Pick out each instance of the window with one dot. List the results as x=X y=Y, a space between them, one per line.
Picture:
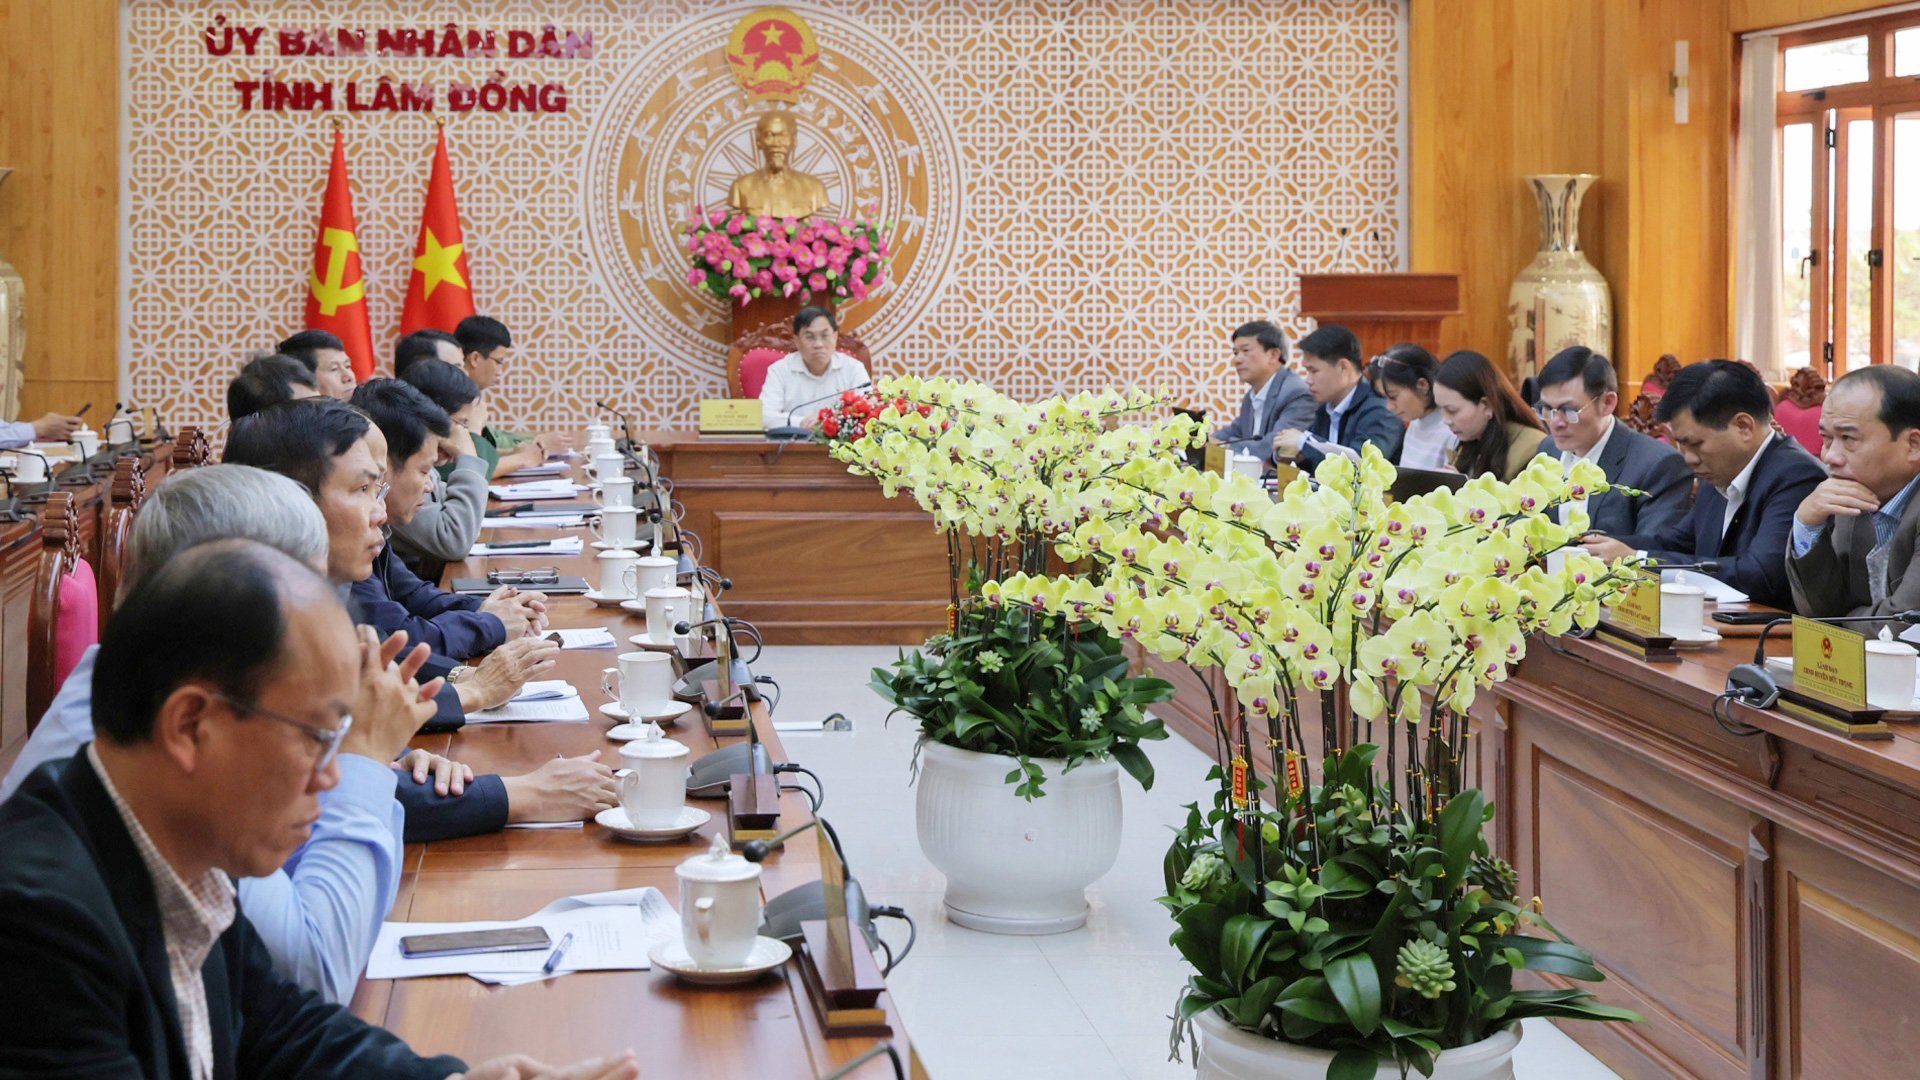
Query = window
x=1849 y=116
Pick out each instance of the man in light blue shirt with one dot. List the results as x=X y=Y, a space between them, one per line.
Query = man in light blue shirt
x=1852 y=551
x=318 y=915
x=53 y=427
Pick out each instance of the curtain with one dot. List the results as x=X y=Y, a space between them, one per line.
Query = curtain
x=1757 y=301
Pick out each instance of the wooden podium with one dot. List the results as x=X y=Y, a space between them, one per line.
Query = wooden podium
x=1382 y=309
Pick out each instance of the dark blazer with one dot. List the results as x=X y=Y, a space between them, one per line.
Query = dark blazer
x=1288 y=405
x=1753 y=554
x=84 y=986
x=1636 y=461
x=393 y=598
x=1831 y=579
x=1367 y=420
x=431 y=816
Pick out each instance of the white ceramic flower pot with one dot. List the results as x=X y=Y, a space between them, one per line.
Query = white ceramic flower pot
x=1228 y=1053
x=1014 y=866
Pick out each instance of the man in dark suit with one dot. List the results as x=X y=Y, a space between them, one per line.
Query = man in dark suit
x=1853 y=537
x=1578 y=395
x=1752 y=480
x=123 y=952
x=1276 y=398
x=1349 y=413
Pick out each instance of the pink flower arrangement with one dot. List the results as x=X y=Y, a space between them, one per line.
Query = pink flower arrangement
x=740 y=258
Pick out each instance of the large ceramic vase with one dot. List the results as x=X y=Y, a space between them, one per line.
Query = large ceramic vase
x=13 y=330
x=1015 y=866
x=1559 y=299
x=1228 y=1053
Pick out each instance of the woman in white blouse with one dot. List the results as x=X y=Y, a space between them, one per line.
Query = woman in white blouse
x=1404 y=376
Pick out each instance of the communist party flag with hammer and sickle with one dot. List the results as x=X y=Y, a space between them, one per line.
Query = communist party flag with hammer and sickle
x=337 y=289
x=439 y=293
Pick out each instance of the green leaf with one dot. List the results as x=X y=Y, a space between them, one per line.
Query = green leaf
x=1242 y=941
x=1198 y=938
x=1353 y=1065
x=1558 y=957
x=1257 y=999
x=1459 y=827
x=1356 y=986
x=1343 y=880
x=1309 y=997
x=1134 y=760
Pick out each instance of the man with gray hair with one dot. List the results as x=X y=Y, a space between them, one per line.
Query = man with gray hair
x=1276 y=398
x=318 y=919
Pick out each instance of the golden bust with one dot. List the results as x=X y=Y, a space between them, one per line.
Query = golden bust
x=776 y=190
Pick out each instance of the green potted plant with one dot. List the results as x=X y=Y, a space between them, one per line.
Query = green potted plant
x=1351 y=923
x=1026 y=718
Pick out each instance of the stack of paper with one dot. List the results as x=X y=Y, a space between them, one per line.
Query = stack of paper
x=535 y=521
x=558 y=545
x=1717 y=591
x=545 y=701
x=612 y=931
x=591 y=637
x=537 y=489
x=546 y=468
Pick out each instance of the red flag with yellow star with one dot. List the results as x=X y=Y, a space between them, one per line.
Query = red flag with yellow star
x=438 y=293
x=337 y=288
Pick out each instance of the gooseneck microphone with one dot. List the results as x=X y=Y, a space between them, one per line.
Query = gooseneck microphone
x=787 y=430
x=1760 y=648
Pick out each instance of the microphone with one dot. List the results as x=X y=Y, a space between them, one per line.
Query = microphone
x=1704 y=566
x=788 y=431
x=1760 y=648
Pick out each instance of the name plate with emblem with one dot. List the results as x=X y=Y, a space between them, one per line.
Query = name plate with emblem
x=733 y=417
x=1830 y=661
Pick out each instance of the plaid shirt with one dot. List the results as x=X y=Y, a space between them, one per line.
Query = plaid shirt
x=192 y=917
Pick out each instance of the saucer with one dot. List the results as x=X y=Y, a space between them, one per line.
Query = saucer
x=645 y=641
x=625 y=730
x=768 y=954
x=603 y=599
x=631 y=545
x=1701 y=640
x=690 y=819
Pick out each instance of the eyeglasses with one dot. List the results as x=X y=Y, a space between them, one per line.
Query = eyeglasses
x=326 y=740
x=538 y=575
x=380 y=491
x=1568 y=413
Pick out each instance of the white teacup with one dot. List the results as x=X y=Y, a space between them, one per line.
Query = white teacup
x=88 y=440
x=654 y=572
x=608 y=465
x=642 y=683
x=1682 y=610
x=655 y=787
x=120 y=430
x=29 y=467
x=719 y=906
x=667 y=608
x=616 y=573
x=598 y=431
x=616 y=526
x=1557 y=561
x=615 y=492
x=1890 y=674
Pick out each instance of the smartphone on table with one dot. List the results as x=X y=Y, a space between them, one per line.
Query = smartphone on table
x=468 y=942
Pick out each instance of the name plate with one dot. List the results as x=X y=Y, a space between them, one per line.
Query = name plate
x=1638 y=608
x=1830 y=661
x=730 y=416
x=1216 y=460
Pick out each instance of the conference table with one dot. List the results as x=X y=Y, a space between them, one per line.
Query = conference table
x=1755 y=896
x=767 y=1028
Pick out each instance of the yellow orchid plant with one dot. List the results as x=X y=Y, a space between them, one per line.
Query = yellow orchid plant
x=1004 y=480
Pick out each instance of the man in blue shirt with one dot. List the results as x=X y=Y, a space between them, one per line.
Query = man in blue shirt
x=53 y=427
x=1853 y=536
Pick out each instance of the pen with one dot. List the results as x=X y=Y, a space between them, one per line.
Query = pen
x=83 y=410
x=518 y=545
x=559 y=951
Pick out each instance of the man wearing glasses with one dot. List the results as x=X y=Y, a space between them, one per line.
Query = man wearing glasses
x=123 y=941
x=1578 y=395
x=486 y=349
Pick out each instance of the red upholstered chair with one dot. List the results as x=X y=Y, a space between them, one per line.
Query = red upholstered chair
x=751 y=356
x=56 y=618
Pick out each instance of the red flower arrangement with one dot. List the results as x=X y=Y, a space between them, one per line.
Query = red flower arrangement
x=846 y=420
x=736 y=257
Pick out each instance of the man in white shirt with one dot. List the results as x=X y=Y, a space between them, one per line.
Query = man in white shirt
x=802 y=383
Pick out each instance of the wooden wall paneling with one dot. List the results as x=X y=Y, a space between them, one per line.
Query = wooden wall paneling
x=1746 y=15
x=59 y=213
x=1847 y=961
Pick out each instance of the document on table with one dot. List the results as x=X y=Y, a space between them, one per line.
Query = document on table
x=590 y=637
x=558 y=545
x=537 y=489
x=1717 y=591
x=541 y=701
x=535 y=521
x=548 y=468
x=612 y=931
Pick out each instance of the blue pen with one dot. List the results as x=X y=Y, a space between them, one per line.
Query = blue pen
x=559 y=951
